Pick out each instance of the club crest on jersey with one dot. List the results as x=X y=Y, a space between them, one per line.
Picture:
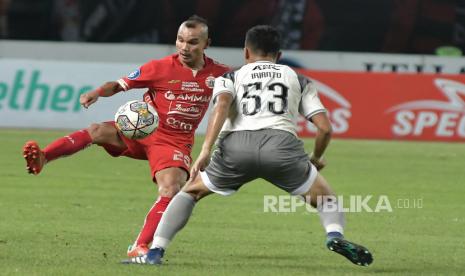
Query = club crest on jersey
x=170 y=96
x=210 y=81
x=134 y=75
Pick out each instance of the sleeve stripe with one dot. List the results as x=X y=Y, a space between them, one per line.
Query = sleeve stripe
x=221 y=92
x=303 y=81
x=308 y=116
x=123 y=84
x=230 y=75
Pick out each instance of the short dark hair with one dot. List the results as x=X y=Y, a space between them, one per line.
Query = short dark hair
x=264 y=40
x=195 y=20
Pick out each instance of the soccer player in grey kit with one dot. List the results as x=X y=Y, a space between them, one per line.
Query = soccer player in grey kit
x=256 y=109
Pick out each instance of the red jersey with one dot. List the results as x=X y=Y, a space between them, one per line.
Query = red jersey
x=180 y=96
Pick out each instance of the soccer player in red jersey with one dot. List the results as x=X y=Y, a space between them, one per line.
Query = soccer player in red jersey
x=180 y=89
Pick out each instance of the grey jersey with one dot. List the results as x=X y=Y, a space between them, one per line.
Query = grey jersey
x=267 y=96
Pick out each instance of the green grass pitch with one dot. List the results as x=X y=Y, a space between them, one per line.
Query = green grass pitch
x=81 y=213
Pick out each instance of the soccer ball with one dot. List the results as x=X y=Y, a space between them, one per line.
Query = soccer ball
x=136 y=119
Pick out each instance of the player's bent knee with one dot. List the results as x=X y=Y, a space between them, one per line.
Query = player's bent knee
x=319 y=188
x=93 y=131
x=196 y=189
x=169 y=190
x=96 y=132
x=170 y=181
x=103 y=133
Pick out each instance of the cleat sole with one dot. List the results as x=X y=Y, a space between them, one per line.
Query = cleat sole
x=355 y=253
x=34 y=157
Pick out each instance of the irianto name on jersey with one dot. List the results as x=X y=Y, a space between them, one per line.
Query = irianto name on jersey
x=260 y=75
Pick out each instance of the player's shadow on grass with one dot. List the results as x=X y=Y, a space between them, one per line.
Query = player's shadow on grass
x=251 y=261
x=243 y=266
x=294 y=262
x=396 y=270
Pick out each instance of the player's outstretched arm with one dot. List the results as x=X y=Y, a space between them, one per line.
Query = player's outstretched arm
x=322 y=139
x=215 y=123
x=106 y=90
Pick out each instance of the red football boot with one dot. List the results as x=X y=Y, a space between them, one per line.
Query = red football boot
x=138 y=250
x=35 y=157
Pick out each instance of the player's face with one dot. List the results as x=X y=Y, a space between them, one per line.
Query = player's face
x=190 y=44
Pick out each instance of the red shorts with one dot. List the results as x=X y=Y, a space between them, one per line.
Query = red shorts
x=162 y=152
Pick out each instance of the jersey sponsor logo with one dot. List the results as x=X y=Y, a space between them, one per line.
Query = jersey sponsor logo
x=170 y=96
x=339 y=112
x=210 y=81
x=266 y=66
x=134 y=75
x=185 y=109
x=194 y=98
x=443 y=118
x=179 y=124
x=191 y=86
x=174 y=81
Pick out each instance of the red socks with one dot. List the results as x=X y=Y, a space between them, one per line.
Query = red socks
x=152 y=220
x=68 y=145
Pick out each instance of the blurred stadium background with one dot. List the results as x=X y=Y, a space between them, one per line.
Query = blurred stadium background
x=391 y=26
x=391 y=73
